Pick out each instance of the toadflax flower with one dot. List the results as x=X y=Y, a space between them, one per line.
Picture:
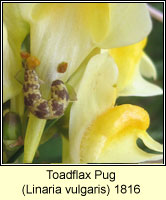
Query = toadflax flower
x=74 y=34
x=101 y=132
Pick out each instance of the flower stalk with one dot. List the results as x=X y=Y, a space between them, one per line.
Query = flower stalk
x=155 y=13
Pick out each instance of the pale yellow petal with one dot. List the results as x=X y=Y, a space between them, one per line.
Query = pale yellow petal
x=125 y=150
x=140 y=87
x=147 y=67
x=96 y=94
x=10 y=67
x=75 y=79
x=129 y=24
x=96 y=20
x=150 y=143
x=17 y=27
x=15 y=30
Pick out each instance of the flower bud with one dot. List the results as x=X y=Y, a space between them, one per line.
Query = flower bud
x=11 y=126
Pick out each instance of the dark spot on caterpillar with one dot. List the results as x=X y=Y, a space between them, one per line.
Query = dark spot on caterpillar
x=31 y=74
x=62 y=94
x=30 y=100
x=43 y=105
x=25 y=88
x=34 y=96
x=62 y=67
x=56 y=106
x=27 y=102
x=28 y=86
x=26 y=77
x=42 y=114
x=56 y=82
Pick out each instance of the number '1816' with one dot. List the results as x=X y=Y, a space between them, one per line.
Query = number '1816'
x=123 y=189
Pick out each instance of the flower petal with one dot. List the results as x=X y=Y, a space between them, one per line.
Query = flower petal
x=95 y=95
x=16 y=26
x=147 y=68
x=11 y=65
x=126 y=151
x=75 y=79
x=140 y=87
x=96 y=20
x=111 y=138
x=129 y=23
x=14 y=31
x=127 y=59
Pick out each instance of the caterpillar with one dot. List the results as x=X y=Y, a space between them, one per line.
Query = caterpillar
x=38 y=106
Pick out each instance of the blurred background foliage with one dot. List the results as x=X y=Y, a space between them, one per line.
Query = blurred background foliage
x=51 y=151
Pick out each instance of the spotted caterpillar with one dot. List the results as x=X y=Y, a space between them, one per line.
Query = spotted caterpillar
x=42 y=108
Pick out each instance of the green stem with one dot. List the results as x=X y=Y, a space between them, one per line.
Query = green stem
x=32 y=138
x=65 y=150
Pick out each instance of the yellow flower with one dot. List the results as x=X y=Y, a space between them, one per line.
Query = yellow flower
x=100 y=132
